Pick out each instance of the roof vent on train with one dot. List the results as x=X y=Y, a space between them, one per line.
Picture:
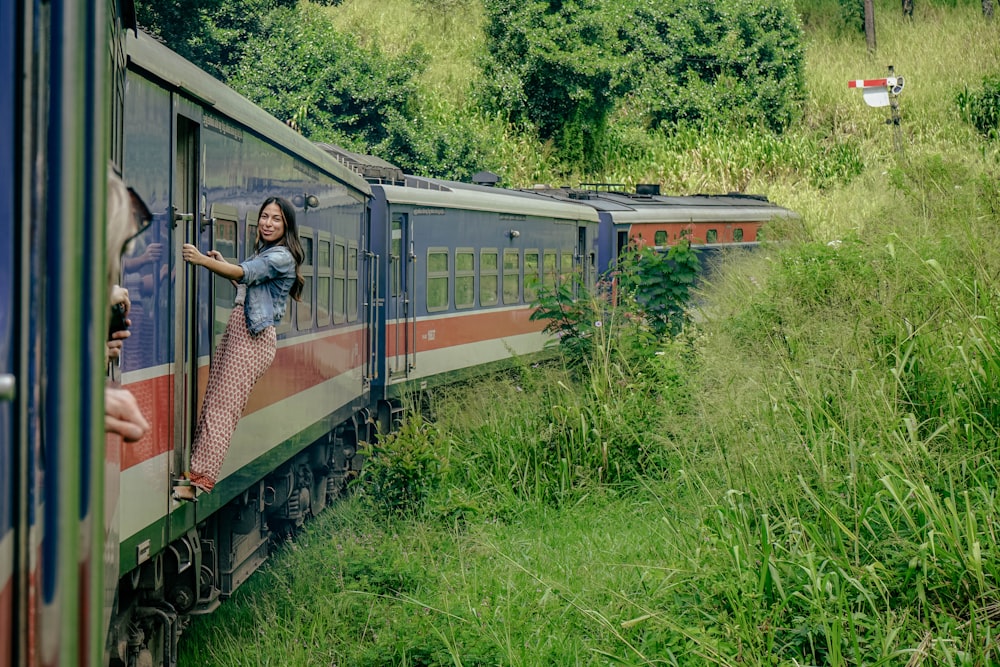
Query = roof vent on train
x=647 y=189
x=606 y=187
x=369 y=167
x=487 y=178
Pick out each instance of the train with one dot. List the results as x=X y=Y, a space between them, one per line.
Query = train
x=410 y=282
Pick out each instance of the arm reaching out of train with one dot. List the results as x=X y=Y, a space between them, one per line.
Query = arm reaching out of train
x=122 y=414
x=213 y=261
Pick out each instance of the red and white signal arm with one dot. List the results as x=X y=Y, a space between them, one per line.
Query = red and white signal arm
x=876 y=91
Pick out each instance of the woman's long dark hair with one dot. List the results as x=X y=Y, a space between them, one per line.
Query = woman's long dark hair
x=290 y=240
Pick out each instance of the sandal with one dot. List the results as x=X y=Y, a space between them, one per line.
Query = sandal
x=185 y=491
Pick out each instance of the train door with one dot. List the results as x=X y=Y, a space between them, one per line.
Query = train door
x=583 y=257
x=187 y=320
x=370 y=297
x=401 y=345
x=621 y=243
x=10 y=441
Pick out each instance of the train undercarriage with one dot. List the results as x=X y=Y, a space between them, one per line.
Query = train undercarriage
x=155 y=601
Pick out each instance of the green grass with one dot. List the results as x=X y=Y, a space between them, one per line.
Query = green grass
x=808 y=475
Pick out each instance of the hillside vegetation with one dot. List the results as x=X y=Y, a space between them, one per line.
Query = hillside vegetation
x=806 y=474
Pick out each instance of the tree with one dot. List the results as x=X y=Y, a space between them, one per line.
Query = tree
x=553 y=66
x=870 y=25
x=302 y=71
x=908 y=9
x=734 y=62
x=210 y=33
x=988 y=9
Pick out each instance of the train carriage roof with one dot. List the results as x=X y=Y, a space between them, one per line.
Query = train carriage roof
x=629 y=208
x=450 y=194
x=145 y=53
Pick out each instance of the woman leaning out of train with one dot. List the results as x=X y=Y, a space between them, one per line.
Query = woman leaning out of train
x=127 y=217
x=263 y=284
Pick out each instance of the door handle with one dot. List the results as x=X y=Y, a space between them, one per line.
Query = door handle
x=183 y=217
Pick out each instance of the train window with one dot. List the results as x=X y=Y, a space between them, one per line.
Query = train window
x=738 y=234
x=352 y=281
x=396 y=255
x=511 y=276
x=488 y=277
x=660 y=237
x=225 y=292
x=711 y=236
x=437 y=279
x=339 y=280
x=530 y=275
x=465 y=278
x=323 y=280
x=549 y=269
x=566 y=268
x=251 y=238
x=304 y=307
x=285 y=325
x=305 y=236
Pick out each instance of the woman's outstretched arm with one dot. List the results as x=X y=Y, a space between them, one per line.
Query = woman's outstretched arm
x=213 y=261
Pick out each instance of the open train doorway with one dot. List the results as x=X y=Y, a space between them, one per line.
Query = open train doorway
x=186 y=225
x=401 y=352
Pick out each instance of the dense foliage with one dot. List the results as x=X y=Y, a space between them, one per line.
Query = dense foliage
x=209 y=33
x=553 y=65
x=733 y=62
x=561 y=72
x=980 y=106
x=564 y=67
x=302 y=70
x=290 y=59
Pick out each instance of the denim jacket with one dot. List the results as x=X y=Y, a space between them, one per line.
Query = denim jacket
x=269 y=276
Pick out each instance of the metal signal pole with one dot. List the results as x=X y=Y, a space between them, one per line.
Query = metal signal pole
x=885 y=93
x=894 y=117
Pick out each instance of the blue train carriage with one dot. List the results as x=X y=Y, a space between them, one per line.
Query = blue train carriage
x=54 y=152
x=711 y=222
x=459 y=268
x=204 y=159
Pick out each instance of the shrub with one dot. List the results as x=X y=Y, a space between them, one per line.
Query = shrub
x=302 y=71
x=403 y=468
x=660 y=283
x=732 y=62
x=981 y=108
x=552 y=66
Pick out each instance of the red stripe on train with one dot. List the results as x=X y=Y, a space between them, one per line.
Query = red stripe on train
x=475 y=327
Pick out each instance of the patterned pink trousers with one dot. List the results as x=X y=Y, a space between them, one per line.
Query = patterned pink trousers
x=240 y=360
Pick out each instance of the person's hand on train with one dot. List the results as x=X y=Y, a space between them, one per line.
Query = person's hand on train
x=122 y=414
x=117 y=338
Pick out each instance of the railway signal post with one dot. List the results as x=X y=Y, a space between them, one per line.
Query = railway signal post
x=881 y=93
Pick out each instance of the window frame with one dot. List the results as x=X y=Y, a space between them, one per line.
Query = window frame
x=465 y=274
x=324 y=272
x=437 y=275
x=351 y=297
x=494 y=273
x=529 y=292
x=307 y=237
x=508 y=272
x=339 y=311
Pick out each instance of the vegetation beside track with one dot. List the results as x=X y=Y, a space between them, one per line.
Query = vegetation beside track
x=808 y=475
